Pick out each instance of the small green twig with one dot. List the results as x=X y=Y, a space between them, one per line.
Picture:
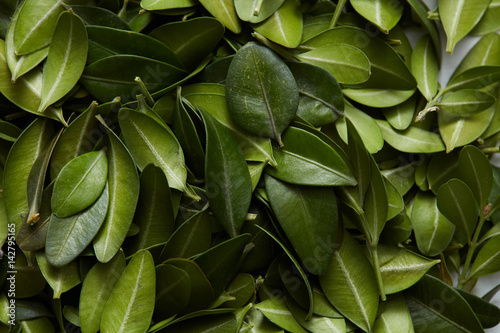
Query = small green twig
x=338 y=12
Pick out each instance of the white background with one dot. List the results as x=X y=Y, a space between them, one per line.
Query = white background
x=448 y=64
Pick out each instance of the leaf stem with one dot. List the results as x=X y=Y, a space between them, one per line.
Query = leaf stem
x=376 y=268
x=145 y=91
x=338 y=12
x=464 y=276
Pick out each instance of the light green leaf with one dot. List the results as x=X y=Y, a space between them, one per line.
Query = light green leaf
x=284 y=26
x=378 y=98
x=60 y=279
x=228 y=182
x=20 y=65
x=79 y=183
x=350 y=284
x=256 y=11
x=402 y=177
x=475 y=170
x=476 y=77
x=301 y=212
x=123 y=186
x=151 y=143
x=167 y=4
x=22 y=156
x=401 y=116
x=488 y=259
x=488 y=22
x=401 y=268
x=486 y=52
x=131 y=303
x=421 y=10
x=261 y=94
x=35 y=25
x=313 y=163
x=224 y=11
x=68 y=237
x=411 y=140
x=383 y=13
x=42 y=324
x=96 y=289
x=347 y=63
x=459 y=18
x=456 y=201
x=395 y=200
x=276 y=311
x=425 y=67
x=466 y=102
x=433 y=231
x=395 y=318
x=66 y=59
x=316 y=324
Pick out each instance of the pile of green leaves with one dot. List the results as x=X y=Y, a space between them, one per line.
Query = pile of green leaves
x=248 y=166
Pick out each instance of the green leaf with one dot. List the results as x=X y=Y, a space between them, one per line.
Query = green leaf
x=456 y=201
x=256 y=11
x=20 y=65
x=26 y=91
x=242 y=288
x=347 y=63
x=301 y=212
x=436 y=307
x=488 y=22
x=308 y=160
x=276 y=310
x=77 y=139
x=202 y=293
x=29 y=279
x=320 y=96
x=466 y=102
x=401 y=116
x=228 y=182
x=22 y=156
x=433 y=231
x=474 y=78
x=173 y=290
x=115 y=76
x=350 y=284
x=261 y=93
x=191 y=40
x=442 y=167
x=487 y=260
x=221 y=262
x=395 y=317
x=154 y=214
x=378 y=98
x=425 y=67
x=151 y=143
x=284 y=26
x=224 y=11
x=123 y=186
x=395 y=200
x=401 y=268
x=79 y=183
x=166 y=4
x=93 y=15
x=66 y=59
x=485 y=52
x=211 y=98
x=96 y=289
x=365 y=125
x=191 y=238
x=401 y=177
x=38 y=325
x=383 y=13
x=388 y=70
x=260 y=323
x=458 y=131
x=475 y=170
x=35 y=25
x=60 y=279
x=68 y=237
x=131 y=303
x=316 y=324
x=459 y=18
x=211 y=322
x=487 y=313
x=411 y=140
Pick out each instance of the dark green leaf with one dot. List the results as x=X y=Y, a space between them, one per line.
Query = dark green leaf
x=93 y=15
x=395 y=317
x=61 y=279
x=436 y=307
x=487 y=313
x=488 y=259
x=261 y=93
x=173 y=290
x=228 y=182
x=475 y=170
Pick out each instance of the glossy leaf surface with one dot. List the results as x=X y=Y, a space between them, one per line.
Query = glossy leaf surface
x=466 y=102
x=256 y=11
x=261 y=93
x=60 y=279
x=228 y=182
x=224 y=11
x=425 y=67
x=383 y=13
